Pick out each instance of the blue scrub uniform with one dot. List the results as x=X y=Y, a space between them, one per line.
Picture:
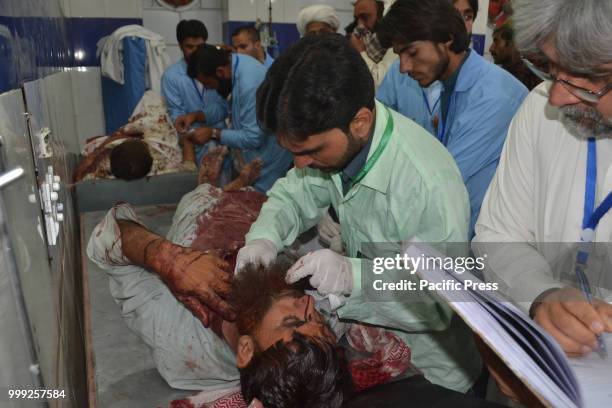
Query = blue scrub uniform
x=245 y=134
x=482 y=104
x=182 y=96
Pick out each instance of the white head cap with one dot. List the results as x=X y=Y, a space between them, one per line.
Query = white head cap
x=320 y=13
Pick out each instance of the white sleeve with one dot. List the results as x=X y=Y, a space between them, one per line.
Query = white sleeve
x=186 y=354
x=505 y=230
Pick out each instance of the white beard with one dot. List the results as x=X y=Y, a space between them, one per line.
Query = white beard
x=586 y=122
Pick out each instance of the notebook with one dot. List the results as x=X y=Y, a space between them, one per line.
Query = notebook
x=531 y=353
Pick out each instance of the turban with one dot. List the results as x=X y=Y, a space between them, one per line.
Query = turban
x=318 y=13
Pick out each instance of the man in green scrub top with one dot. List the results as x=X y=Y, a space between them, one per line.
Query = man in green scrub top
x=387 y=181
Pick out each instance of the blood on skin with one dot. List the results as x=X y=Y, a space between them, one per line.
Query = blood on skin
x=220 y=232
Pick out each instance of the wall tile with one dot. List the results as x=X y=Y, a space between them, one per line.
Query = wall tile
x=211 y=18
x=86 y=32
x=58 y=97
x=87 y=8
x=162 y=22
x=242 y=10
x=292 y=9
x=211 y=4
x=123 y=8
x=263 y=13
x=88 y=110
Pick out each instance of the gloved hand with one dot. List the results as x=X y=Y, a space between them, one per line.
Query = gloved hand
x=330 y=233
x=261 y=251
x=330 y=273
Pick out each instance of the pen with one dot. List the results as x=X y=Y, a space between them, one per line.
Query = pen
x=586 y=291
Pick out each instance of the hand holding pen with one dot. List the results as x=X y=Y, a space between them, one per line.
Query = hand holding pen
x=573 y=321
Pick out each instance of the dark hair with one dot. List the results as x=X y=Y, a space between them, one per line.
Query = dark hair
x=302 y=373
x=254 y=290
x=380 y=9
x=190 y=28
x=417 y=20
x=473 y=6
x=206 y=59
x=131 y=160
x=317 y=84
x=506 y=32
x=251 y=31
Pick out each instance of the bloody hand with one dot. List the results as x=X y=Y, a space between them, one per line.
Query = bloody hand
x=190 y=272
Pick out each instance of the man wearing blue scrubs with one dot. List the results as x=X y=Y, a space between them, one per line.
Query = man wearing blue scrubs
x=405 y=95
x=184 y=95
x=478 y=99
x=239 y=75
x=246 y=40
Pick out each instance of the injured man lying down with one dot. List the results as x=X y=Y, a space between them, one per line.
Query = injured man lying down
x=276 y=345
x=147 y=145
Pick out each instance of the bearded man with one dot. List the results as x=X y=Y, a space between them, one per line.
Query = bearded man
x=554 y=177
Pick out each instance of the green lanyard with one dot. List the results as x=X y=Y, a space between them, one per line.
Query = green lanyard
x=378 y=152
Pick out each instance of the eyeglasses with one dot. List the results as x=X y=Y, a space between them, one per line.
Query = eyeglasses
x=585 y=94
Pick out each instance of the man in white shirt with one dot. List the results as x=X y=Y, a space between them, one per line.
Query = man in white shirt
x=368 y=14
x=555 y=170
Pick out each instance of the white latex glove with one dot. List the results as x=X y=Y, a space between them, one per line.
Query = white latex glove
x=330 y=273
x=329 y=231
x=258 y=251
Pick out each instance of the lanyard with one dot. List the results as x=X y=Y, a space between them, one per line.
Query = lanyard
x=589 y=223
x=593 y=215
x=443 y=117
x=435 y=105
x=234 y=72
x=200 y=94
x=441 y=129
x=378 y=152
x=439 y=126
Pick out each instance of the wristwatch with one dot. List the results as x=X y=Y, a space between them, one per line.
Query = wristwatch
x=216 y=134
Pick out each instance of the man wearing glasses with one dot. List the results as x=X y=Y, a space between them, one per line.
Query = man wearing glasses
x=554 y=179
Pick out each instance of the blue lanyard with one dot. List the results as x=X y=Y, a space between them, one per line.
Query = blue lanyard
x=593 y=215
x=441 y=129
x=432 y=109
x=200 y=94
x=589 y=224
x=235 y=71
x=443 y=118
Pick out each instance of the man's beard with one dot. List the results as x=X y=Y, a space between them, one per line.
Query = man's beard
x=353 y=147
x=225 y=87
x=440 y=68
x=586 y=122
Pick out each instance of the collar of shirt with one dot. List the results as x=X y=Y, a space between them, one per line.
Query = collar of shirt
x=353 y=168
x=449 y=85
x=379 y=175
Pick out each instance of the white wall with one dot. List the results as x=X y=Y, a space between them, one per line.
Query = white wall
x=214 y=12
x=163 y=21
x=102 y=8
x=284 y=11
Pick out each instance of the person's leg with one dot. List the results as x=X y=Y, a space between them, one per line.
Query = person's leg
x=210 y=167
x=247 y=177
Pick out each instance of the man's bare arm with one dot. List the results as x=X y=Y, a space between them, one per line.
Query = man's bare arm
x=90 y=162
x=184 y=270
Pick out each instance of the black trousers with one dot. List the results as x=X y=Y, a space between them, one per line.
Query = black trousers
x=415 y=392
